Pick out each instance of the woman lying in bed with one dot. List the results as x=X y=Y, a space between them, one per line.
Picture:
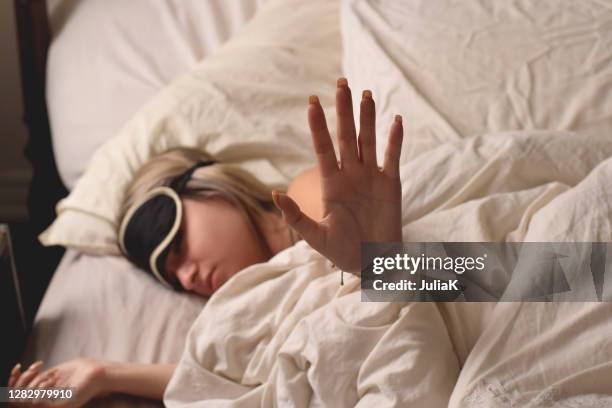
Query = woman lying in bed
x=193 y=223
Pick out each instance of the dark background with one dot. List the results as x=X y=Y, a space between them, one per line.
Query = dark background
x=28 y=207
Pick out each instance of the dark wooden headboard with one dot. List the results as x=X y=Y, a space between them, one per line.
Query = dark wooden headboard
x=34 y=37
x=36 y=263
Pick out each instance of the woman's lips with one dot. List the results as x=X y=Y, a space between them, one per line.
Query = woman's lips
x=214 y=280
x=209 y=281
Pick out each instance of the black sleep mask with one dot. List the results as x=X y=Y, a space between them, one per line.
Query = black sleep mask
x=151 y=224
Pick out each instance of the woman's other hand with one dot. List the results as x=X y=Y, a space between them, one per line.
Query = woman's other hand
x=361 y=202
x=84 y=375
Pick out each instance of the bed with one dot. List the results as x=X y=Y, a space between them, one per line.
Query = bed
x=524 y=157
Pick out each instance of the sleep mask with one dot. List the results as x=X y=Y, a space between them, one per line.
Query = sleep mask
x=151 y=224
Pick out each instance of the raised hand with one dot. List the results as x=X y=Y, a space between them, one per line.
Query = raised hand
x=361 y=202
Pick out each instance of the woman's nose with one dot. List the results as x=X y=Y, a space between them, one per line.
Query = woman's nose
x=186 y=275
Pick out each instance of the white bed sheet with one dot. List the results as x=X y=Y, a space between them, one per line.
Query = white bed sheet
x=108 y=58
x=458 y=69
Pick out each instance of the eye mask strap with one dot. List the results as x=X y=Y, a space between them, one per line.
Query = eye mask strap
x=179 y=183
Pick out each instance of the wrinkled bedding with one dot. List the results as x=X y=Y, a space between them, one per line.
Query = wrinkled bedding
x=286 y=332
x=457 y=69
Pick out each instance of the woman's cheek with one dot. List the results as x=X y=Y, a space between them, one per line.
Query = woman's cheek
x=251 y=252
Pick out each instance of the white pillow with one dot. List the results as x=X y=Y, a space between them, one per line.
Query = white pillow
x=108 y=58
x=456 y=69
x=246 y=104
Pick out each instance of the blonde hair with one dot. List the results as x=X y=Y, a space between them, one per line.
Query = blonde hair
x=222 y=180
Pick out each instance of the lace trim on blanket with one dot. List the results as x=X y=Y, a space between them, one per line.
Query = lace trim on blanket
x=491 y=394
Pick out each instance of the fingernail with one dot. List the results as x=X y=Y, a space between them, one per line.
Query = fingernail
x=398 y=119
x=275 y=198
x=313 y=99
x=17 y=367
x=367 y=94
x=342 y=82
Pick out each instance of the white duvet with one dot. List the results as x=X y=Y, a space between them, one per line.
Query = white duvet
x=286 y=333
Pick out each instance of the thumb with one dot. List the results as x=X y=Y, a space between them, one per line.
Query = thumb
x=308 y=228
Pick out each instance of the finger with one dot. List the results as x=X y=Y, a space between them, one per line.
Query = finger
x=36 y=365
x=321 y=139
x=40 y=378
x=367 y=129
x=394 y=148
x=28 y=374
x=15 y=374
x=345 y=124
x=49 y=382
x=308 y=228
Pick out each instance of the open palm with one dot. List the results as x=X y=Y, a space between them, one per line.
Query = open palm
x=361 y=202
